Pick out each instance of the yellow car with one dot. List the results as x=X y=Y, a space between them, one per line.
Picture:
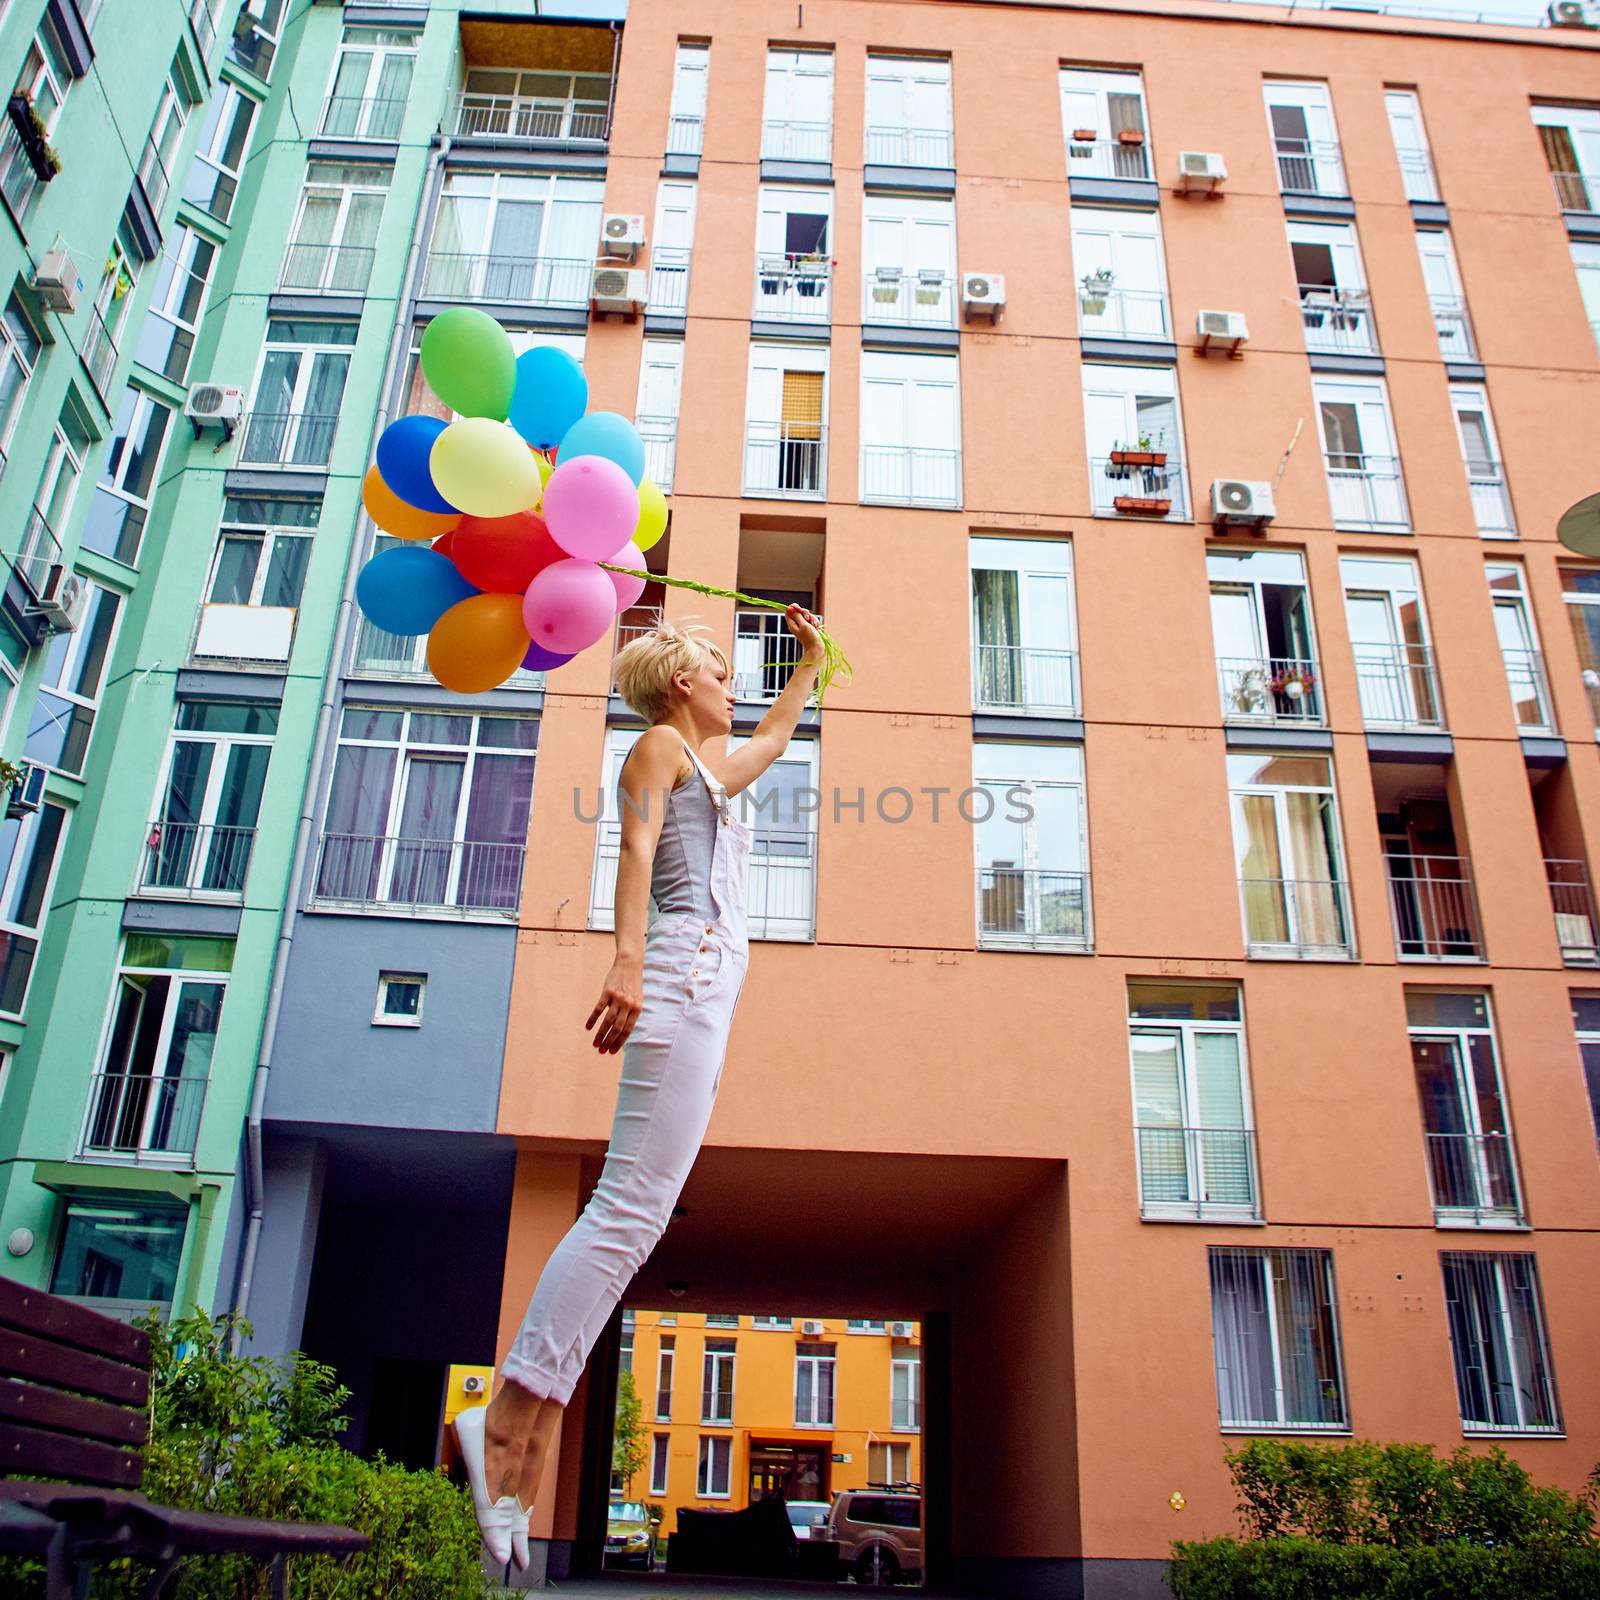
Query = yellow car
x=630 y=1539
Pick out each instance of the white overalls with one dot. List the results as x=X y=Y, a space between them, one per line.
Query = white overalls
x=695 y=957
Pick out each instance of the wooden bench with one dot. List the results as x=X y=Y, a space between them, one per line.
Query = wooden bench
x=74 y=1391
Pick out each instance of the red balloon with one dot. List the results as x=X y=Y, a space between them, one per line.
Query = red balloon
x=501 y=555
x=442 y=543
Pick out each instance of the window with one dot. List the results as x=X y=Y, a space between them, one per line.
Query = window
x=797 y=113
x=1103 y=117
x=53 y=497
x=656 y=410
x=123 y=1251
x=886 y=1463
x=783 y=852
x=1365 y=487
x=500 y=103
x=716 y=1451
x=146 y=1102
x=785 y=1323
x=722 y=1319
x=1335 y=307
x=1274 y=1326
x=671 y=248
x=1033 y=847
x=44 y=80
x=1586 y=265
x=19 y=355
x=1586 y=1022
x=625 y=1341
x=257 y=578
x=1471 y=1165
x=1486 y=478
x=794 y=270
x=786 y=406
x=255 y=36
x=1193 y=1128
x=1389 y=640
x=69 y=687
x=910 y=429
x=691 y=71
x=371 y=82
x=716 y=1381
x=166 y=338
x=1262 y=630
x=1570 y=136
x=1581 y=591
x=909 y=245
x=178 y=98
x=905 y=1393
x=219 y=157
x=1024 y=626
x=1411 y=144
x=515 y=237
x=30 y=847
x=335 y=235
x=1133 y=410
x=204 y=831
x=113 y=300
x=298 y=391
x=121 y=503
x=1286 y=845
x=660 y=1448
x=400 y=996
x=428 y=809
x=908 y=111
x=1519 y=647
x=860 y=1325
x=1504 y=1378
x=665 y=1356
x=1446 y=297
x=1122 y=283
x=813 y=1385
x=1303 y=136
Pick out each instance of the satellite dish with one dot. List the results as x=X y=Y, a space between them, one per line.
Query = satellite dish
x=1579 y=527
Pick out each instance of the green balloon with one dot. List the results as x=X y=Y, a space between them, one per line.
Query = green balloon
x=468 y=362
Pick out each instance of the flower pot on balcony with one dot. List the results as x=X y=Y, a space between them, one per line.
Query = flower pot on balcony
x=1139 y=458
x=1131 y=136
x=33 y=137
x=1083 y=135
x=1141 y=506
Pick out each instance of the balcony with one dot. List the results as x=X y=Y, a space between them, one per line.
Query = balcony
x=512 y=280
x=195 y=860
x=1491 y=499
x=793 y=288
x=1029 y=908
x=1434 y=908
x=925 y=298
x=786 y=460
x=530 y=118
x=783 y=140
x=1109 y=313
x=1456 y=342
x=1297 y=918
x=1577 y=191
x=39 y=552
x=1338 y=321
x=1123 y=489
x=1108 y=158
x=155 y=178
x=669 y=280
x=1530 y=689
x=764 y=655
x=374 y=117
x=244 y=635
x=908 y=475
x=686 y=134
x=1399 y=691
x=327 y=268
x=1310 y=166
x=370 y=872
x=204 y=25
x=99 y=352
x=1011 y=677
x=287 y=439
x=660 y=436
x=910 y=147
x=905 y=1415
x=378 y=654
x=1417 y=174
x=1474 y=1180
x=1197 y=1174
x=135 y=1116
x=1271 y=691
x=1367 y=492
x=1572 y=899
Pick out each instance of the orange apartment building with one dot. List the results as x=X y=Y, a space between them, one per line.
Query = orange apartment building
x=1178 y=999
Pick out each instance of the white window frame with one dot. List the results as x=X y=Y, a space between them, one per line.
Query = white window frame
x=905 y=1372
x=924 y=389
x=1086 y=105
x=1337 y=319
x=1586 y=269
x=386 y=1019
x=785 y=137
x=1528 y=675
x=795 y=919
x=716 y=1467
x=379 y=45
x=228 y=98
x=253 y=631
x=660 y=1462
x=765 y=440
x=1106 y=388
x=316 y=186
x=13 y=878
x=166 y=134
x=686 y=116
x=1048 y=678
x=114 y=476
x=1371 y=495
x=72 y=648
x=1410 y=136
x=295 y=419
x=183 y=246
x=1486 y=480
x=13 y=355
x=908 y=253
x=895 y=1455
x=714 y=1364
x=1581 y=191
x=1447 y=295
x=792 y=287
x=1392 y=582
x=44 y=68
x=666 y=1361
x=672 y=246
x=1119 y=261
x=1245 y=682
x=920 y=130
x=1319 y=159
x=815 y=1364
x=1497 y=1267
x=1580 y=605
x=864 y=1325
x=660 y=366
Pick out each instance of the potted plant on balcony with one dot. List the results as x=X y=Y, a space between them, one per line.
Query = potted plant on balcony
x=1096 y=287
x=1147 y=453
x=34 y=137
x=1130 y=136
x=1248 y=694
x=1083 y=141
x=810 y=271
x=1293 y=682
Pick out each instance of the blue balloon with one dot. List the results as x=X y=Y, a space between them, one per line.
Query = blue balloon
x=551 y=394
x=403 y=449
x=407 y=588
x=604 y=433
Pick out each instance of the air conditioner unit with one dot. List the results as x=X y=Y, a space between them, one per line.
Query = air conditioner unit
x=27 y=793
x=214 y=402
x=1572 y=14
x=57 y=282
x=983 y=294
x=1220 y=330
x=473 y=1383
x=900 y=1330
x=617 y=289
x=1200 y=172
x=1241 y=503
x=622 y=233
x=61 y=599
x=811 y=1326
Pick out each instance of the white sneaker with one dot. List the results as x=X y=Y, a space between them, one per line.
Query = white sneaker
x=496 y=1521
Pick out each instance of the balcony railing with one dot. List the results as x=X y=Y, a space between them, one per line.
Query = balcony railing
x=504 y=116
x=18 y=181
x=1398 y=687
x=764 y=655
x=1338 y=320
x=909 y=475
x=1297 y=917
x=204 y=25
x=786 y=459
x=195 y=860
x=348 y=116
x=1014 y=677
x=669 y=279
x=792 y=288
x=1310 y=166
x=686 y=134
x=1366 y=491
x=785 y=140
x=426 y=874
x=135 y=1115
x=99 y=351
x=1416 y=172
x=1455 y=327
x=1530 y=689
x=1434 y=907
x=910 y=147
x=660 y=436
x=328 y=268
x=154 y=177
x=1572 y=899
x=1031 y=908
x=1474 y=1179
x=925 y=298
x=287 y=438
x=520 y=280
x=1107 y=158
x=1122 y=490
x=1271 y=690
x=1577 y=191
x=1491 y=498
x=1197 y=1172
x=39 y=551
x=905 y=1415
x=1122 y=313
x=378 y=654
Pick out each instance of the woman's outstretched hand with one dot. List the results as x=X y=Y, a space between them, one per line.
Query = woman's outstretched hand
x=617 y=1009
x=803 y=625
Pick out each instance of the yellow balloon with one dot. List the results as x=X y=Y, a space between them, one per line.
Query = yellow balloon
x=478 y=643
x=484 y=468
x=652 y=515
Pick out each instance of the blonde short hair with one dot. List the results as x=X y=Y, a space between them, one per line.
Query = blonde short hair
x=646 y=666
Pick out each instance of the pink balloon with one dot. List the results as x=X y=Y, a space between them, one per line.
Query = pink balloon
x=591 y=507
x=628 y=589
x=569 y=605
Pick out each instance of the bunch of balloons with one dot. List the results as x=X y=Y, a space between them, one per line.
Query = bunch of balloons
x=506 y=511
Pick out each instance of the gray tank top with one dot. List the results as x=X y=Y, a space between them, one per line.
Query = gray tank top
x=680 y=875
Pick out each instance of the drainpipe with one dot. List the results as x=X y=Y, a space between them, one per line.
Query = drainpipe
x=255 y=1180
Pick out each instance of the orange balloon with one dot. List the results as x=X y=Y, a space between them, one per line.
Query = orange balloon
x=478 y=643
x=395 y=516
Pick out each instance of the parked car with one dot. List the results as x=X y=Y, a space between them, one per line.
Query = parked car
x=879 y=1531
x=807 y=1517
x=629 y=1535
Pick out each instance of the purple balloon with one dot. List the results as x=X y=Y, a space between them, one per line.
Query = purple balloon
x=538 y=659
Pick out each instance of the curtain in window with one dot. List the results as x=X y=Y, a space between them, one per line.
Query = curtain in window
x=800 y=431
x=238 y=808
x=389 y=101
x=1242 y=1338
x=313 y=440
x=269 y=418
x=1314 y=865
x=496 y=831
x=352 y=267
x=1307 y=1350
x=358 y=815
x=343 y=115
x=1562 y=156
x=423 y=851
x=997 y=624
x=1260 y=859
x=286 y=572
x=509 y=272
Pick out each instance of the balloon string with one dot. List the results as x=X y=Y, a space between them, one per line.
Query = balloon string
x=834 y=661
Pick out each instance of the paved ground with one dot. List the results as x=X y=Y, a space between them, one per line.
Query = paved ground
x=688 y=1586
